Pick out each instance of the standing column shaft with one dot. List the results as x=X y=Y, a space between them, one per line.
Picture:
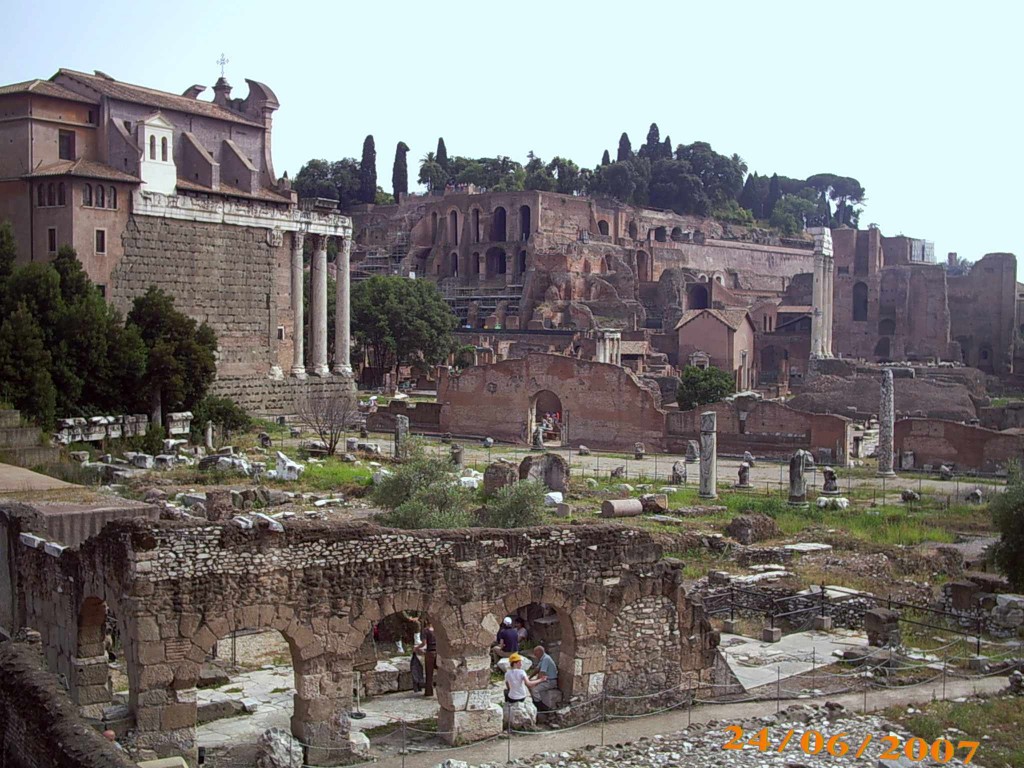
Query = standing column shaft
x=318 y=309
x=886 y=424
x=298 y=326
x=830 y=293
x=343 y=312
x=709 y=455
x=817 y=313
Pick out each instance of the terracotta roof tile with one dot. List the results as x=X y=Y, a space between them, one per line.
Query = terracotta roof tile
x=138 y=94
x=88 y=169
x=733 y=318
x=229 y=191
x=44 y=88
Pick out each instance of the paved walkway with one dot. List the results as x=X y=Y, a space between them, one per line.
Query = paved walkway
x=17 y=479
x=628 y=730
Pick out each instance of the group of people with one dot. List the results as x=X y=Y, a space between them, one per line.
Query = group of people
x=519 y=685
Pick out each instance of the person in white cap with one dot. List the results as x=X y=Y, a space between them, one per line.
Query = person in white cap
x=506 y=642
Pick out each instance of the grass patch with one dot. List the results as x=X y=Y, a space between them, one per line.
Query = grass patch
x=283 y=689
x=996 y=722
x=236 y=689
x=335 y=474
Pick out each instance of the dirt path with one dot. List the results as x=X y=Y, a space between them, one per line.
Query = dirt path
x=628 y=730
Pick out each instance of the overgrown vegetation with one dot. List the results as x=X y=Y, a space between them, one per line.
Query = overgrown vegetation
x=515 y=506
x=1007 y=511
x=222 y=411
x=700 y=386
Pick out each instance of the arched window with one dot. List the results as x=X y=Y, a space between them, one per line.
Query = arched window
x=41 y=195
x=111 y=197
x=453 y=227
x=860 y=301
x=163 y=149
x=476 y=225
x=677 y=234
x=61 y=197
x=87 y=194
x=455 y=264
x=524 y=223
x=51 y=198
x=632 y=230
x=152 y=147
x=100 y=202
x=521 y=263
x=476 y=263
x=602 y=227
x=499 y=226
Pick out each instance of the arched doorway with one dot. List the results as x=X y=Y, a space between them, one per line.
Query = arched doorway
x=521 y=263
x=546 y=412
x=545 y=626
x=453 y=227
x=602 y=227
x=697 y=297
x=524 y=222
x=499 y=226
x=882 y=348
x=643 y=267
x=496 y=263
x=677 y=234
x=454 y=264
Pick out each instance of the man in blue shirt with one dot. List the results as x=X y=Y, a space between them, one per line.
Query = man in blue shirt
x=507 y=640
x=547 y=674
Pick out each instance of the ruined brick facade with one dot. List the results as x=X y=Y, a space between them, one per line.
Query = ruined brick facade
x=936 y=442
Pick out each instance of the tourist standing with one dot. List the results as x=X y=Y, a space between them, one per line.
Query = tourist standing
x=428 y=647
x=516 y=684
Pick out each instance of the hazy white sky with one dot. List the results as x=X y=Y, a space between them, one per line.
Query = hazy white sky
x=921 y=101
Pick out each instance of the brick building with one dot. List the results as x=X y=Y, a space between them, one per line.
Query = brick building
x=156 y=188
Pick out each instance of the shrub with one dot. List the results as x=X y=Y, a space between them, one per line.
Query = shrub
x=516 y=506
x=700 y=386
x=222 y=411
x=1007 y=511
x=441 y=504
x=414 y=475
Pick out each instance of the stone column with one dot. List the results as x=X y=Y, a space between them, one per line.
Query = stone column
x=318 y=309
x=709 y=455
x=817 y=314
x=343 y=312
x=298 y=326
x=886 y=425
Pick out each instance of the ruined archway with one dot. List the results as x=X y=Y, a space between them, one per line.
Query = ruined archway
x=497 y=264
x=697 y=297
x=546 y=412
x=602 y=227
x=524 y=222
x=499 y=228
x=677 y=234
x=91 y=684
x=550 y=627
x=453 y=227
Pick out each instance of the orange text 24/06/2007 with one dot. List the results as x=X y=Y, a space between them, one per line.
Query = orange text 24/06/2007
x=813 y=742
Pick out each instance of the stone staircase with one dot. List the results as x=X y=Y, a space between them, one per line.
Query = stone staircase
x=23 y=444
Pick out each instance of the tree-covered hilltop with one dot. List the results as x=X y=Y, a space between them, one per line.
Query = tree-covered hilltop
x=685 y=178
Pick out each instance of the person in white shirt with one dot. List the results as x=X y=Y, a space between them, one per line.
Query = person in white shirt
x=517 y=686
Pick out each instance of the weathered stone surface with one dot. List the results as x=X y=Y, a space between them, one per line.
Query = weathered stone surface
x=621 y=508
x=708 y=455
x=276 y=748
x=654 y=503
x=679 y=473
x=498 y=474
x=882 y=626
x=753 y=527
x=799 y=464
x=520 y=715
x=401 y=436
x=886 y=424
x=548 y=468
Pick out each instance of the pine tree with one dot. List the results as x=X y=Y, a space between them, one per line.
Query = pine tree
x=652 y=146
x=400 y=172
x=748 y=197
x=368 y=172
x=25 y=380
x=606 y=158
x=442 y=154
x=625 y=149
x=774 y=195
x=666 y=148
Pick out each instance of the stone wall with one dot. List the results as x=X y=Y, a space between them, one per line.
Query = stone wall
x=936 y=442
x=278 y=397
x=178 y=588
x=983 y=308
x=764 y=427
x=603 y=404
x=227 y=276
x=40 y=726
x=636 y=649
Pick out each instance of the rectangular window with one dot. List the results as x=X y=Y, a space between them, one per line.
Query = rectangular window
x=102 y=289
x=66 y=144
x=51 y=240
x=101 y=241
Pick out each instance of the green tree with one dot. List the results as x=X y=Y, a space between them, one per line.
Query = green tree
x=749 y=198
x=606 y=158
x=618 y=180
x=181 y=356
x=1007 y=510
x=400 y=320
x=674 y=186
x=793 y=211
x=651 y=149
x=515 y=506
x=421 y=493
x=25 y=380
x=774 y=195
x=567 y=176
x=338 y=180
x=625 y=151
x=700 y=386
x=400 y=172
x=442 y=154
x=8 y=253
x=432 y=175
x=368 y=172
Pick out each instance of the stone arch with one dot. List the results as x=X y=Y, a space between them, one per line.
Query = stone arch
x=524 y=223
x=677 y=234
x=860 y=301
x=643 y=267
x=453 y=227
x=697 y=297
x=602 y=227
x=887 y=327
x=499 y=225
x=453 y=266
x=660 y=234
x=719 y=279
x=542 y=403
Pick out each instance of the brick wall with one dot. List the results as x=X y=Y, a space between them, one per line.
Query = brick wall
x=936 y=442
x=277 y=397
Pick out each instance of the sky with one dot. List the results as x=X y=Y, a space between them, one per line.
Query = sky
x=920 y=101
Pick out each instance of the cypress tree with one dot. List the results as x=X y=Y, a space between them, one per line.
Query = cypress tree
x=748 y=197
x=368 y=172
x=625 y=149
x=606 y=158
x=774 y=195
x=666 y=148
x=441 y=156
x=400 y=172
x=652 y=146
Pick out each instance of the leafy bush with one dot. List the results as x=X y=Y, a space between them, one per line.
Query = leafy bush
x=732 y=212
x=1007 y=511
x=439 y=505
x=516 y=506
x=222 y=411
x=419 y=472
x=700 y=386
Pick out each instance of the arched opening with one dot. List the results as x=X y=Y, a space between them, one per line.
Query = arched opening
x=496 y=263
x=546 y=413
x=499 y=225
x=61 y=194
x=543 y=629
x=719 y=279
x=100 y=200
x=677 y=234
x=524 y=223
x=633 y=231
x=602 y=227
x=860 y=301
x=433 y=227
x=453 y=227
x=99 y=666
x=882 y=348
x=453 y=264
x=521 y=263
x=476 y=263
x=660 y=235
x=643 y=267
x=697 y=297
x=985 y=359
x=51 y=197
x=586 y=266
x=163 y=149
x=152 y=147
x=476 y=225
x=111 y=197
x=886 y=327
x=87 y=194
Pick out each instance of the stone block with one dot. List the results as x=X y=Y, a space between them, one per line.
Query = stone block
x=621 y=508
x=595 y=685
x=520 y=715
x=771 y=635
x=465 y=726
x=823 y=623
x=175 y=716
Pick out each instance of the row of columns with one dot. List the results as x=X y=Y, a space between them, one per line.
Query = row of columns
x=823 y=293
x=318 y=310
